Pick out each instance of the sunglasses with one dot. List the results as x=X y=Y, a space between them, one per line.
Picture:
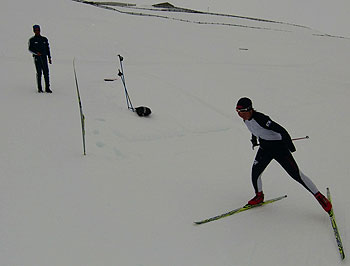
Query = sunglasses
x=243 y=110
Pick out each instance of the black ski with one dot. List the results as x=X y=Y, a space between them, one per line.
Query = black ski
x=244 y=208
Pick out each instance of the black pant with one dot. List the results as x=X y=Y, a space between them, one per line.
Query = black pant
x=284 y=157
x=42 y=66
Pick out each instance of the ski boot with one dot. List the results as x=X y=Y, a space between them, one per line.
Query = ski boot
x=325 y=203
x=259 y=198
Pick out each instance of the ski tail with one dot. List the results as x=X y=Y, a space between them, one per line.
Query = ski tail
x=335 y=228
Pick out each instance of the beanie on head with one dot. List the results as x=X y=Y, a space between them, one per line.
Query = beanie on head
x=244 y=103
x=36 y=27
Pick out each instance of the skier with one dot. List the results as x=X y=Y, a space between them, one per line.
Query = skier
x=274 y=143
x=39 y=47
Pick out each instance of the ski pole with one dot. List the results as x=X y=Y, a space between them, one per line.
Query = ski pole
x=128 y=101
x=122 y=76
x=306 y=137
x=301 y=138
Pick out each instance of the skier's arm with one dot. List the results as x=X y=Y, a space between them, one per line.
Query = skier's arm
x=254 y=141
x=265 y=122
x=285 y=135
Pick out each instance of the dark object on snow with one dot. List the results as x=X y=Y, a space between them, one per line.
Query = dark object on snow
x=143 y=111
x=164 y=5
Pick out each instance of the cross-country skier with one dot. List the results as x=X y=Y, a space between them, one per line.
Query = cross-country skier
x=274 y=143
x=39 y=47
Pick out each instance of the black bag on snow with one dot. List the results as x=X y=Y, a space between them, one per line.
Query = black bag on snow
x=143 y=111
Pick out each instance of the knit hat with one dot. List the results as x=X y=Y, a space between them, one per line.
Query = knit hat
x=36 y=27
x=244 y=103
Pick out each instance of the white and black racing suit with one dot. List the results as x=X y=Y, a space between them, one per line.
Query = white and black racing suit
x=275 y=143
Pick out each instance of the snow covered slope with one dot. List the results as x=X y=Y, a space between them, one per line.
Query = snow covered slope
x=133 y=199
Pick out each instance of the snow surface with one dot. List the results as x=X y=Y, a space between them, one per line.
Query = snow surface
x=133 y=199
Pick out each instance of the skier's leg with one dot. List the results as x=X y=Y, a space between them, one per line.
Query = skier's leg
x=287 y=161
x=262 y=159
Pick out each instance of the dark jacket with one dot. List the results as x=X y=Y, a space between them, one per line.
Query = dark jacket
x=39 y=44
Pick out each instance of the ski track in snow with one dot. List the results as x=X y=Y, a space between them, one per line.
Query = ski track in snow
x=152 y=11
x=201 y=16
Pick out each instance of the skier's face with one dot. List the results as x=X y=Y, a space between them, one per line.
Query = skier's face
x=37 y=32
x=245 y=115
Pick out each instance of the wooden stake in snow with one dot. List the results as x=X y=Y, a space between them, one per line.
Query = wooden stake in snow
x=82 y=117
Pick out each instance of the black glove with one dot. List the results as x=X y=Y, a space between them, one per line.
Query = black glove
x=289 y=144
x=254 y=143
x=291 y=147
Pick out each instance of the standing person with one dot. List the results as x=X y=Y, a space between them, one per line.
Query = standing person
x=274 y=143
x=39 y=47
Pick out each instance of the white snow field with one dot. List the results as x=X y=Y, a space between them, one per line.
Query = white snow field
x=133 y=198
